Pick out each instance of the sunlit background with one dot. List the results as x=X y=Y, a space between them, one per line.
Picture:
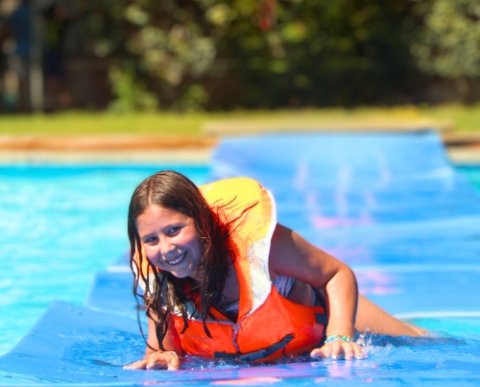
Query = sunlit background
x=125 y=55
x=96 y=95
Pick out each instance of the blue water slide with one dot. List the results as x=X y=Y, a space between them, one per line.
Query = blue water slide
x=389 y=204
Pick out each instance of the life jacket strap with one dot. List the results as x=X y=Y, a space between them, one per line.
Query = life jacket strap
x=259 y=354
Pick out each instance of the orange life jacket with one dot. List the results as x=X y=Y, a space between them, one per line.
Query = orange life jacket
x=269 y=326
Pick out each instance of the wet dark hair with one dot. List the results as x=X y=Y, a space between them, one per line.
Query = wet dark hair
x=163 y=293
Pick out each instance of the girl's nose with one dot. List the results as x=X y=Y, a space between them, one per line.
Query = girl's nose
x=166 y=247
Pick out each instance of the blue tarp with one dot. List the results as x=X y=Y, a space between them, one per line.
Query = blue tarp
x=389 y=204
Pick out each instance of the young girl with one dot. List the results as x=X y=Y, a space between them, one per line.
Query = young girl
x=220 y=278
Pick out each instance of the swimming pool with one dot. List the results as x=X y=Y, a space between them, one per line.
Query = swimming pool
x=60 y=225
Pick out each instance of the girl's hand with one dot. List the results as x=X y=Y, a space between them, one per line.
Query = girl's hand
x=156 y=360
x=338 y=348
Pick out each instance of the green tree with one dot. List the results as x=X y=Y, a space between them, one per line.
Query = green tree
x=449 y=42
x=343 y=52
x=249 y=53
x=223 y=54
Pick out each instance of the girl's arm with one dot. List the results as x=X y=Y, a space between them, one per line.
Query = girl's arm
x=155 y=358
x=292 y=256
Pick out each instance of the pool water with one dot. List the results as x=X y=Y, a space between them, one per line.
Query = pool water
x=62 y=224
x=59 y=225
x=472 y=173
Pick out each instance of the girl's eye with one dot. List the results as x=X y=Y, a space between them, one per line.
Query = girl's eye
x=172 y=231
x=150 y=240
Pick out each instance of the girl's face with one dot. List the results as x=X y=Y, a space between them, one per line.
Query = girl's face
x=170 y=241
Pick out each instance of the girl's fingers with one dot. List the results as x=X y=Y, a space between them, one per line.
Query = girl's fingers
x=157 y=360
x=162 y=360
x=174 y=363
x=323 y=352
x=345 y=351
x=359 y=352
x=338 y=350
x=137 y=365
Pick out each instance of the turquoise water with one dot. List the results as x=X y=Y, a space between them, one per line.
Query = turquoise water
x=472 y=172
x=59 y=225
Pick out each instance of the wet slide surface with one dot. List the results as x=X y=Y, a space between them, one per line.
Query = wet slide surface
x=390 y=205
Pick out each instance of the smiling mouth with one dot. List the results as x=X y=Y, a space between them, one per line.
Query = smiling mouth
x=177 y=260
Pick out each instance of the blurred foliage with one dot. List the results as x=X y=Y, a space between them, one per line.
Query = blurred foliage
x=249 y=53
x=131 y=96
x=226 y=54
x=449 y=42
